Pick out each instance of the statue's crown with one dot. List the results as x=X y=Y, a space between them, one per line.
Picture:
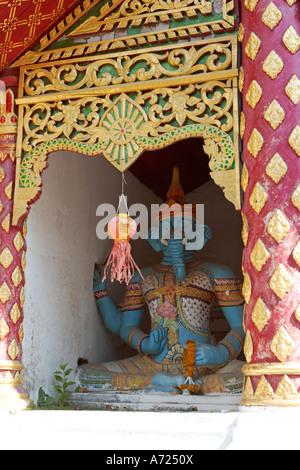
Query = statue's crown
x=176 y=198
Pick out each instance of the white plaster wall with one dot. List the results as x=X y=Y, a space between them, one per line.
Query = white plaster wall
x=61 y=319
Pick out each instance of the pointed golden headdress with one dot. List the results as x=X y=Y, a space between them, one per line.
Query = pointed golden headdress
x=176 y=198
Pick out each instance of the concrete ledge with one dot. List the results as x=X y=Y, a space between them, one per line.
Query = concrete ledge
x=141 y=401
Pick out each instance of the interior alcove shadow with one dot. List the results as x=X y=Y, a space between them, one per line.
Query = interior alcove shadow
x=154 y=169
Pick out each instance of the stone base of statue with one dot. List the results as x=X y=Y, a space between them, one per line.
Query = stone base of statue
x=155 y=401
x=121 y=385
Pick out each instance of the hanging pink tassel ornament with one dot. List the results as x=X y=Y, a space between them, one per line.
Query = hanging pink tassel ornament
x=120 y=264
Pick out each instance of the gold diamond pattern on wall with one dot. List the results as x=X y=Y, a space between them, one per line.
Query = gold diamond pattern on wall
x=274 y=114
x=18 y=241
x=4 y=329
x=252 y=46
x=264 y=390
x=16 y=276
x=271 y=16
x=13 y=350
x=291 y=2
x=244 y=177
x=281 y=281
x=296 y=197
x=246 y=290
x=258 y=198
x=1 y=207
x=8 y=191
x=273 y=65
x=241 y=32
x=6 y=258
x=296 y=253
x=286 y=389
x=255 y=143
x=253 y=94
x=294 y=140
x=15 y=313
x=291 y=40
x=282 y=344
x=260 y=314
x=293 y=89
x=248 y=347
x=241 y=79
x=242 y=125
x=22 y=297
x=279 y=226
x=21 y=333
x=23 y=261
x=297 y=313
x=5 y=293
x=245 y=229
x=259 y=255
x=2 y=174
x=276 y=168
x=251 y=4
x=6 y=223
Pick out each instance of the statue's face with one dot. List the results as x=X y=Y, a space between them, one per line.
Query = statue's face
x=177 y=235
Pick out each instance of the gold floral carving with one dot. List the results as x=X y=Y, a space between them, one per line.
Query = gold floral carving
x=271 y=16
x=6 y=258
x=291 y=40
x=282 y=344
x=281 y=281
x=246 y=291
x=252 y=46
x=259 y=255
x=5 y=293
x=292 y=89
x=294 y=140
x=274 y=114
x=248 y=347
x=130 y=69
x=255 y=142
x=279 y=226
x=273 y=65
x=137 y=12
x=13 y=350
x=253 y=94
x=4 y=329
x=260 y=314
x=296 y=197
x=296 y=253
x=258 y=198
x=276 y=168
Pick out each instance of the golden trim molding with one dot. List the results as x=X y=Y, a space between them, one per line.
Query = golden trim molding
x=272 y=368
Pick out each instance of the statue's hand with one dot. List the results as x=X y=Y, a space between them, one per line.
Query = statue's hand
x=156 y=341
x=207 y=355
x=98 y=282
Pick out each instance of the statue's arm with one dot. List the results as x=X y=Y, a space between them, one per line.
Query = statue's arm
x=153 y=343
x=231 y=303
x=109 y=312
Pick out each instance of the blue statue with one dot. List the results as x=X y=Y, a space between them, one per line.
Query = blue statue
x=179 y=293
